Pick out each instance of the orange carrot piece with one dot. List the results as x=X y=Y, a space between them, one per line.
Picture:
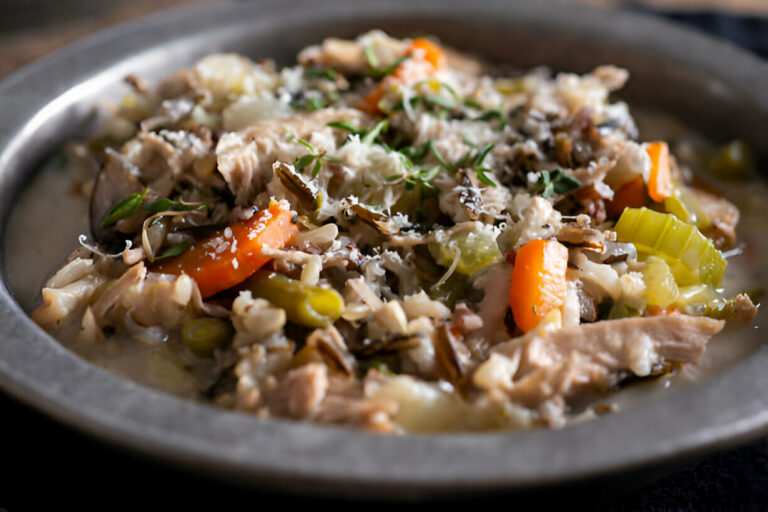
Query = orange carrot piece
x=231 y=255
x=432 y=53
x=538 y=281
x=432 y=59
x=660 y=180
x=628 y=195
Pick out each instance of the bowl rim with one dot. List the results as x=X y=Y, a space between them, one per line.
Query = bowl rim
x=336 y=460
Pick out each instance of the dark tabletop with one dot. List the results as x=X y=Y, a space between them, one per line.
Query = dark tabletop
x=50 y=467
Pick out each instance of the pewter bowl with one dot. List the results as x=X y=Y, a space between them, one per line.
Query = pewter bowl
x=719 y=89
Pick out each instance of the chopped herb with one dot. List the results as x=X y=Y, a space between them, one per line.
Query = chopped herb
x=165 y=205
x=374 y=132
x=481 y=154
x=368 y=137
x=174 y=250
x=566 y=184
x=439 y=157
x=124 y=208
x=481 y=175
x=555 y=182
x=490 y=114
x=415 y=155
x=327 y=73
x=310 y=104
x=316 y=168
x=382 y=72
x=472 y=104
x=451 y=90
x=345 y=125
x=305 y=144
x=461 y=162
x=301 y=162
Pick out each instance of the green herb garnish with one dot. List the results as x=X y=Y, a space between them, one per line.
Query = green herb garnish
x=367 y=137
x=374 y=132
x=124 y=209
x=376 y=72
x=555 y=182
x=172 y=251
x=326 y=73
x=310 y=104
x=481 y=175
x=302 y=162
x=166 y=205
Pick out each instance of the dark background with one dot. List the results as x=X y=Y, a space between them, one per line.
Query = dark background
x=50 y=467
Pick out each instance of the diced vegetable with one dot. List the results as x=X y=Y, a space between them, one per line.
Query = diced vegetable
x=475 y=249
x=432 y=53
x=741 y=307
x=628 y=195
x=733 y=161
x=683 y=206
x=231 y=255
x=660 y=180
x=695 y=294
x=691 y=256
x=538 y=282
x=204 y=335
x=432 y=60
x=660 y=286
x=311 y=306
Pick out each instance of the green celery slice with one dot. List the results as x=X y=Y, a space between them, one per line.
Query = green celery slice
x=691 y=256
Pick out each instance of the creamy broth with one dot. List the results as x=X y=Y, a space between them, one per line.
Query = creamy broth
x=43 y=229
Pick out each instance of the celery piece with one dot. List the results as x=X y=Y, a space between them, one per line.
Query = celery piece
x=660 y=286
x=682 y=205
x=475 y=250
x=204 y=335
x=691 y=256
x=311 y=306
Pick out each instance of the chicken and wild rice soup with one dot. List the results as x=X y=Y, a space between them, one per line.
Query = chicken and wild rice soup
x=394 y=236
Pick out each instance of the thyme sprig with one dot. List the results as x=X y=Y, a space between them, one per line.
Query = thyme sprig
x=314 y=158
x=556 y=181
x=326 y=73
x=367 y=137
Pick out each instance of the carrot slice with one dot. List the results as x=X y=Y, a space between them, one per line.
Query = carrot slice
x=660 y=180
x=538 y=282
x=432 y=59
x=231 y=255
x=628 y=195
x=432 y=53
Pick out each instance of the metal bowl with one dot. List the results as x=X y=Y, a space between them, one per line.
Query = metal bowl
x=714 y=86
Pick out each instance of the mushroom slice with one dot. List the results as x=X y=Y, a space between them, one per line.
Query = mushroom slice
x=295 y=184
x=470 y=197
x=452 y=357
x=331 y=347
x=380 y=222
x=618 y=251
x=577 y=236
